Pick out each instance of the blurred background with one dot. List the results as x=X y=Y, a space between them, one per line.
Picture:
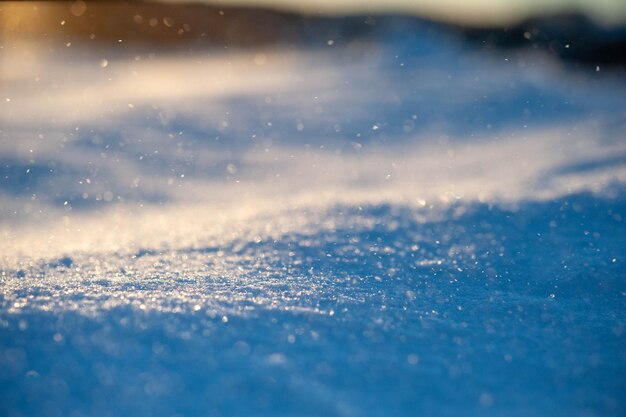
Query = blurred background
x=593 y=32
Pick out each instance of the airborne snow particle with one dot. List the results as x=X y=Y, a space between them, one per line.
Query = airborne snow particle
x=78 y=8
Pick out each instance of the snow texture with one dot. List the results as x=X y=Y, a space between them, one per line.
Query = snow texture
x=408 y=227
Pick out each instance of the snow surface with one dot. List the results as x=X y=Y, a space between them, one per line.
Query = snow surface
x=408 y=227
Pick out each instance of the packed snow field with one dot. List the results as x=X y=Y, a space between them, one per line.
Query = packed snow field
x=402 y=227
